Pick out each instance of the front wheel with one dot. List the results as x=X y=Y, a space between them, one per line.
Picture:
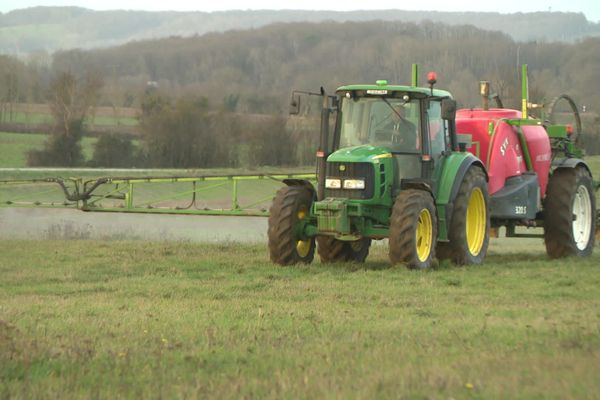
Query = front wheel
x=413 y=229
x=569 y=213
x=287 y=244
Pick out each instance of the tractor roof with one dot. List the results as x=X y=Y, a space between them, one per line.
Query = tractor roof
x=395 y=88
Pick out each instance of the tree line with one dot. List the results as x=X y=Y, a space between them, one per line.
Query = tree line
x=176 y=133
x=261 y=66
x=218 y=76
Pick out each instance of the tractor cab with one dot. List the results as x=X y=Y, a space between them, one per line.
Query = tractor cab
x=400 y=122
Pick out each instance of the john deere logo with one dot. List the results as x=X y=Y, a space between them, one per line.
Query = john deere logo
x=342 y=167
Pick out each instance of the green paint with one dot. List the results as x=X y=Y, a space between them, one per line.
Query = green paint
x=129 y=196
x=524 y=91
x=424 y=92
x=524 y=148
x=234 y=196
x=557 y=131
x=443 y=195
x=477 y=148
x=450 y=167
x=137 y=210
x=364 y=153
x=332 y=216
x=523 y=122
x=415 y=75
x=121 y=197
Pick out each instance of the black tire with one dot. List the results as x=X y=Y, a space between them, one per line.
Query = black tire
x=286 y=246
x=413 y=229
x=467 y=247
x=332 y=250
x=569 y=191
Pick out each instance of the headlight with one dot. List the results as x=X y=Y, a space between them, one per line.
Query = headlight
x=333 y=183
x=354 y=184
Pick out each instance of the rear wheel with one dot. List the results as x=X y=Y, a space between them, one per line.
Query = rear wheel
x=469 y=232
x=332 y=250
x=569 y=213
x=413 y=229
x=287 y=244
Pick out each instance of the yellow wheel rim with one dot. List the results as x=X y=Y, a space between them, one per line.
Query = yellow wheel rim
x=476 y=221
x=424 y=235
x=302 y=246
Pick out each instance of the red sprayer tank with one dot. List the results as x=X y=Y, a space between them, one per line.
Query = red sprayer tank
x=496 y=143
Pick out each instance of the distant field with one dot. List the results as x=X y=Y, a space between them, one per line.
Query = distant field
x=82 y=319
x=15 y=146
x=98 y=120
x=594 y=163
x=29 y=118
x=32 y=112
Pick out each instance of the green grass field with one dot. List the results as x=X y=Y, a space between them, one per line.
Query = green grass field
x=81 y=319
x=108 y=319
x=101 y=120
x=15 y=146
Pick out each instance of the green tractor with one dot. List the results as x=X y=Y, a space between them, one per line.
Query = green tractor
x=395 y=167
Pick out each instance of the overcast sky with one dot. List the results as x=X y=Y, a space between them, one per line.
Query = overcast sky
x=591 y=8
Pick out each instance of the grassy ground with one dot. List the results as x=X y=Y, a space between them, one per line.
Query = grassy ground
x=151 y=320
x=15 y=146
x=155 y=320
x=594 y=164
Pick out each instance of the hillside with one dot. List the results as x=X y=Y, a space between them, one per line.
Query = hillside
x=53 y=28
x=261 y=66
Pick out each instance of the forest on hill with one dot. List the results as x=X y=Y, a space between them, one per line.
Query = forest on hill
x=259 y=68
x=53 y=28
x=254 y=71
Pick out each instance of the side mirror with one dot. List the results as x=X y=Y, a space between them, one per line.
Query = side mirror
x=295 y=104
x=449 y=109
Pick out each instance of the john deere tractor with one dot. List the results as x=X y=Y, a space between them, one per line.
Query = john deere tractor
x=395 y=167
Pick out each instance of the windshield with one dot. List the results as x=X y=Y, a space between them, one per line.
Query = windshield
x=378 y=121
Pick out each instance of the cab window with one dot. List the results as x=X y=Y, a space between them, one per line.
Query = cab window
x=437 y=127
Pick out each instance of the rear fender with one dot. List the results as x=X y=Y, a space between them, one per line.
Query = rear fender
x=419 y=184
x=302 y=183
x=570 y=163
x=454 y=169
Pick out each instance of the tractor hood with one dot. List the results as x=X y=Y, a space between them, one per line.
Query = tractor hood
x=363 y=153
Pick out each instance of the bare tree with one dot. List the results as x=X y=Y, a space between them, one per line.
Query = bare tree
x=70 y=101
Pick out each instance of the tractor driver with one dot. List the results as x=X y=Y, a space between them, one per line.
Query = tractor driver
x=404 y=132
